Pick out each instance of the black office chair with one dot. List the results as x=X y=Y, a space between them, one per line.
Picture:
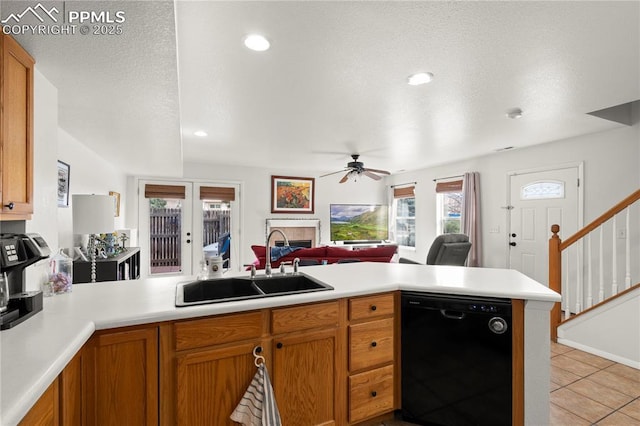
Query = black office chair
x=447 y=249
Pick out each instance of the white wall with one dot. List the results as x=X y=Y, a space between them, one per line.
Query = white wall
x=45 y=174
x=611 y=331
x=256 y=198
x=89 y=174
x=611 y=173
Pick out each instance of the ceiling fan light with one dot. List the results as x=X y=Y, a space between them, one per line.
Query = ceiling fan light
x=257 y=42
x=419 y=78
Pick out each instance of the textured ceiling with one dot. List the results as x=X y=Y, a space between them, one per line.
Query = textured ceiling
x=334 y=81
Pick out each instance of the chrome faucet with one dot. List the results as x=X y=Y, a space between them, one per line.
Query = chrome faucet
x=267 y=264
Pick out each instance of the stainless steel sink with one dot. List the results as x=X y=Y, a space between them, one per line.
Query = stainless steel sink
x=244 y=288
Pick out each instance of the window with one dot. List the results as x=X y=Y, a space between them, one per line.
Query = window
x=542 y=190
x=449 y=204
x=404 y=214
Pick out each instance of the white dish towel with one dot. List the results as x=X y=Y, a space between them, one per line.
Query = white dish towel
x=258 y=404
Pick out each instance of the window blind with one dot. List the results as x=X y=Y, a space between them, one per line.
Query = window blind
x=405 y=192
x=450 y=186
x=164 y=191
x=217 y=193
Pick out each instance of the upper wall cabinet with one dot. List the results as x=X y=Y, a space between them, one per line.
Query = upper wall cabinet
x=16 y=130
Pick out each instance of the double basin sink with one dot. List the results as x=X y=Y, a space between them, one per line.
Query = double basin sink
x=245 y=288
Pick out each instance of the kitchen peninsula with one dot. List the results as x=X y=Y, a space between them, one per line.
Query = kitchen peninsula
x=36 y=352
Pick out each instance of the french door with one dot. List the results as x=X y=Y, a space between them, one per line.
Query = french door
x=179 y=221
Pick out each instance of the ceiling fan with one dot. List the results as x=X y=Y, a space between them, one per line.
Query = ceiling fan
x=356 y=168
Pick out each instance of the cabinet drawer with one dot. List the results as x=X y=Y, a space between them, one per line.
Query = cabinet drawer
x=217 y=330
x=304 y=317
x=370 y=343
x=371 y=393
x=371 y=306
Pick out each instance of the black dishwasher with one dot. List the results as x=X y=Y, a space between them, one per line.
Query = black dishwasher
x=456 y=360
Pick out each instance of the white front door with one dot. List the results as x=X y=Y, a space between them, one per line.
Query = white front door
x=539 y=199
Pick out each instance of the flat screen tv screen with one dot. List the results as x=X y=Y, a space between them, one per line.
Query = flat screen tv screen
x=359 y=222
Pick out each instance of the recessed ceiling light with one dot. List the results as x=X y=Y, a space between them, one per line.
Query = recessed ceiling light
x=420 y=78
x=257 y=42
x=514 y=113
x=200 y=133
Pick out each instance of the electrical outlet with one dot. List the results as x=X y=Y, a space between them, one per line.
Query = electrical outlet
x=622 y=233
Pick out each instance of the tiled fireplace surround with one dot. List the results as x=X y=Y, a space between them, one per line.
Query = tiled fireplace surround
x=295 y=230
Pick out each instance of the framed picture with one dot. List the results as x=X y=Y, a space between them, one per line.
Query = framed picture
x=64 y=172
x=292 y=194
x=116 y=203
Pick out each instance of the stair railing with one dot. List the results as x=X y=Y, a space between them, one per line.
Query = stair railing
x=559 y=252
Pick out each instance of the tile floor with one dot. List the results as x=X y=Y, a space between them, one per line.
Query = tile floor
x=589 y=390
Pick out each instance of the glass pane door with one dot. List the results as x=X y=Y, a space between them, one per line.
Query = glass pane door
x=218 y=218
x=165 y=211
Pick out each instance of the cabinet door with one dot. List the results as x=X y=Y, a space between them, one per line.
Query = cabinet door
x=304 y=377
x=71 y=392
x=211 y=382
x=120 y=378
x=45 y=411
x=16 y=139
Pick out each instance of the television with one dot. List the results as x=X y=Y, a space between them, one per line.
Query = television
x=359 y=222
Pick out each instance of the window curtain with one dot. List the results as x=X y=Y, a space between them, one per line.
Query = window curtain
x=471 y=216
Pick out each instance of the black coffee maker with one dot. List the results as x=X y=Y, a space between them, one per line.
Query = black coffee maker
x=17 y=251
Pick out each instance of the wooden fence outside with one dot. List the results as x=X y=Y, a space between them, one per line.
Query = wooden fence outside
x=165 y=229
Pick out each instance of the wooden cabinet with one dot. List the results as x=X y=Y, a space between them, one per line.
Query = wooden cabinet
x=211 y=382
x=45 y=412
x=120 y=377
x=61 y=403
x=16 y=131
x=373 y=390
x=308 y=373
x=71 y=392
x=207 y=365
x=323 y=366
x=124 y=266
x=371 y=393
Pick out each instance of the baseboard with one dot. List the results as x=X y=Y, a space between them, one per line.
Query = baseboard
x=603 y=354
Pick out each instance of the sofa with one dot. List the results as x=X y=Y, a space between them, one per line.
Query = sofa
x=328 y=254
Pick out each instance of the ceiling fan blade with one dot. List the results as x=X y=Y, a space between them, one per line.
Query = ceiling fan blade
x=333 y=173
x=345 y=178
x=366 y=172
x=382 y=172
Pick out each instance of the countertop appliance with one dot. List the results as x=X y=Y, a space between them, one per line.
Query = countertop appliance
x=18 y=251
x=456 y=360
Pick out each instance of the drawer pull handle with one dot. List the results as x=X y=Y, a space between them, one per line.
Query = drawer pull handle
x=279 y=345
x=10 y=205
x=374 y=344
x=374 y=394
x=374 y=307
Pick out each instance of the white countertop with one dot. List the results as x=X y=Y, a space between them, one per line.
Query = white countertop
x=33 y=353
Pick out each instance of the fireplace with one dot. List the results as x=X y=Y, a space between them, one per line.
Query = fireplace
x=299 y=232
